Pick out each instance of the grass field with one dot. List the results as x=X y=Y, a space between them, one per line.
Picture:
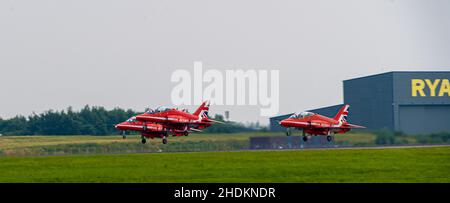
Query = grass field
x=14 y=142
x=73 y=145
x=344 y=165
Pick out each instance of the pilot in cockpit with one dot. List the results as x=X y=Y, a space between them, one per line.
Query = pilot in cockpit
x=132 y=119
x=301 y=115
x=150 y=111
x=161 y=109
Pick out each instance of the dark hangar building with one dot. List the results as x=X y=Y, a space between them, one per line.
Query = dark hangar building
x=410 y=102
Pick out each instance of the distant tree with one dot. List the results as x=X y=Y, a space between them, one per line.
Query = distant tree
x=88 y=121
x=14 y=126
x=91 y=121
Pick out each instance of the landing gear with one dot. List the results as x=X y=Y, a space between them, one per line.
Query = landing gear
x=123 y=135
x=329 y=138
x=164 y=141
x=288 y=131
x=305 y=138
x=185 y=133
x=144 y=126
x=143 y=140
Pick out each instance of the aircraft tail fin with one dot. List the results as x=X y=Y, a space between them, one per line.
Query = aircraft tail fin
x=202 y=110
x=341 y=116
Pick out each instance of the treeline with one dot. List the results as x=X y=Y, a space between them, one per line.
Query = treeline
x=88 y=121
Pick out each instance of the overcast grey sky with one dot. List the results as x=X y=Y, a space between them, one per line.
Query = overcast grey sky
x=60 y=53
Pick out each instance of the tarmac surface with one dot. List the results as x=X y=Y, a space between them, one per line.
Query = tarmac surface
x=321 y=148
x=349 y=147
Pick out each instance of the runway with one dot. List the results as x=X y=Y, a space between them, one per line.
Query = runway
x=349 y=147
x=311 y=149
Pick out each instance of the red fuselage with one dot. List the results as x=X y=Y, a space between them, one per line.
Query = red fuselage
x=315 y=125
x=175 y=119
x=169 y=116
x=151 y=130
x=163 y=121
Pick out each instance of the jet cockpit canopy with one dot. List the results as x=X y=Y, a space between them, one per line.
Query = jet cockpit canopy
x=301 y=115
x=132 y=119
x=161 y=109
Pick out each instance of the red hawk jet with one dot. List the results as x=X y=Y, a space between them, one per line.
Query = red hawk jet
x=164 y=121
x=174 y=117
x=316 y=124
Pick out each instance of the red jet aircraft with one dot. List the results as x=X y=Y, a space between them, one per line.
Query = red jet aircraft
x=162 y=121
x=174 y=118
x=316 y=124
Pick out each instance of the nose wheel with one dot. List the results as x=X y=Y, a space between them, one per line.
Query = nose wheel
x=305 y=138
x=288 y=132
x=329 y=138
x=143 y=140
x=164 y=141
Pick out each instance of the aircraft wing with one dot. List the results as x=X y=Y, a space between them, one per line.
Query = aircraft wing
x=345 y=126
x=209 y=121
x=195 y=130
x=196 y=122
x=215 y=121
x=348 y=125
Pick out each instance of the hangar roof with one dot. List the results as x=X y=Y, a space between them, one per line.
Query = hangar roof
x=394 y=72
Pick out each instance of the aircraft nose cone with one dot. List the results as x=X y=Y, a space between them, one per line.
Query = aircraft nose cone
x=119 y=126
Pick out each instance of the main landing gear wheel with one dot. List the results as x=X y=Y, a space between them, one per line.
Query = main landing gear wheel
x=288 y=132
x=143 y=140
x=164 y=141
x=305 y=138
x=186 y=133
x=124 y=137
x=329 y=138
x=144 y=126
